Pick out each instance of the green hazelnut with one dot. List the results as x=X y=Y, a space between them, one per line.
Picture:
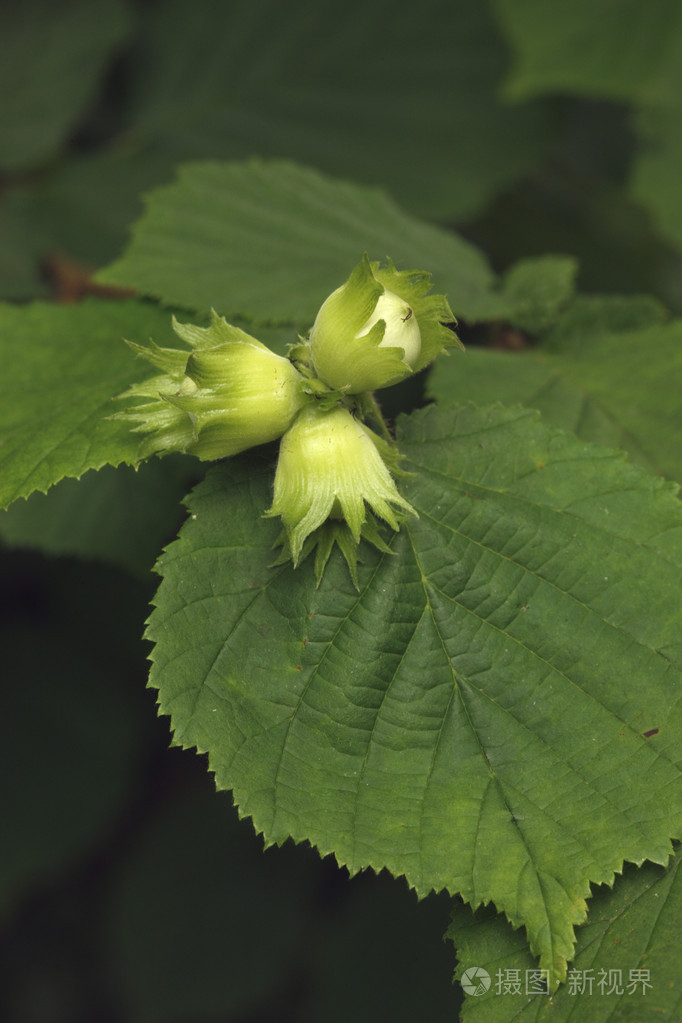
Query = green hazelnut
x=330 y=467
x=378 y=328
x=231 y=393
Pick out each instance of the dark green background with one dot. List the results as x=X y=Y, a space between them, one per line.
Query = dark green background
x=128 y=891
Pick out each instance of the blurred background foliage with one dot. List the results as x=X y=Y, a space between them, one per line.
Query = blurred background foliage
x=127 y=890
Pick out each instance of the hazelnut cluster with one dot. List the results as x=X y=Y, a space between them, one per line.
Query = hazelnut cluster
x=335 y=476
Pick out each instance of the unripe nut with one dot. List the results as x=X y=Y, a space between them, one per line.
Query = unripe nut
x=378 y=328
x=402 y=329
x=329 y=467
x=230 y=394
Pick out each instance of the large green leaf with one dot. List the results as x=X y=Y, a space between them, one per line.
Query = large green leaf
x=51 y=57
x=632 y=928
x=608 y=385
x=270 y=241
x=616 y=48
x=375 y=96
x=63 y=365
x=474 y=716
x=371 y=92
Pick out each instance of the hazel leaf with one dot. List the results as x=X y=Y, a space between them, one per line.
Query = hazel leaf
x=480 y=716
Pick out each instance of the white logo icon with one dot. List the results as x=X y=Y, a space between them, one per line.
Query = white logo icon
x=475 y=980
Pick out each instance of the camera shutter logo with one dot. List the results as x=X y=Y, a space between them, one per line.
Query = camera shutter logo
x=475 y=980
